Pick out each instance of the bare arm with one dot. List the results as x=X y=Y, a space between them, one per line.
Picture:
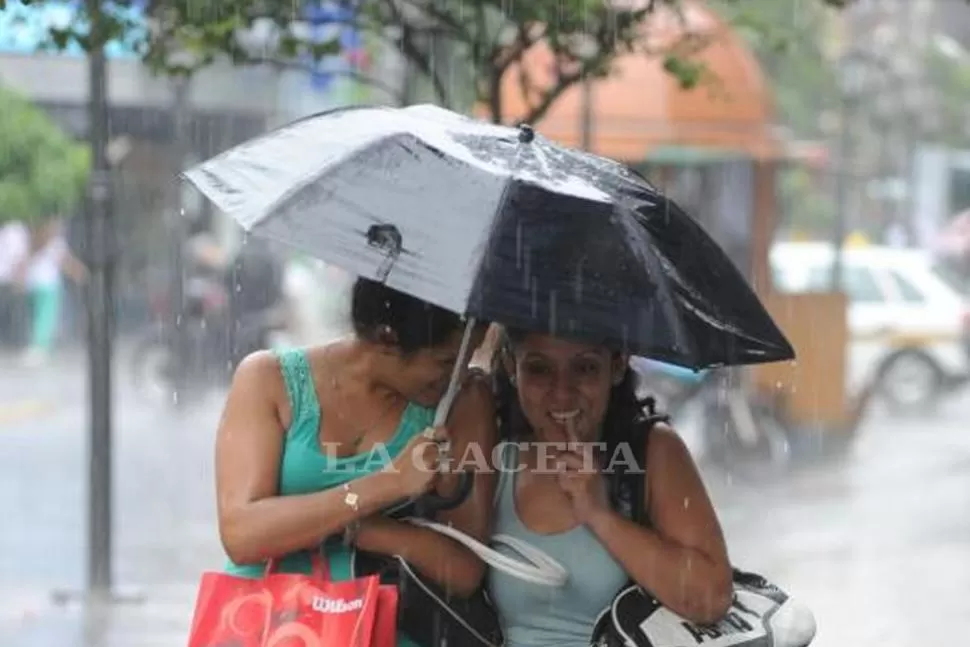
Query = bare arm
x=74 y=268
x=682 y=560
x=255 y=523
x=472 y=425
x=18 y=244
x=19 y=272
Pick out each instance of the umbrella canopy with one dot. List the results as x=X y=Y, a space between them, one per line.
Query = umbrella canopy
x=499 y=224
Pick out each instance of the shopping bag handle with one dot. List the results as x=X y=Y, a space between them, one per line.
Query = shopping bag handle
x=538 y=567
x=320 y=569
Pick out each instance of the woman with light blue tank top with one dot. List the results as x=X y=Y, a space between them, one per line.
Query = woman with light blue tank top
x=537 y=615
x=293 y=476
x=572 y=402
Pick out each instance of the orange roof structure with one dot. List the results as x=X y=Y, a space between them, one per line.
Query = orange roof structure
x=640 y=112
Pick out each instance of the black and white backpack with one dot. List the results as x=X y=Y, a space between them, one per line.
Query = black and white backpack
x=761 y=614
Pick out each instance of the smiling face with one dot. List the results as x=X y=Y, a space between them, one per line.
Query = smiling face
x=564 y=386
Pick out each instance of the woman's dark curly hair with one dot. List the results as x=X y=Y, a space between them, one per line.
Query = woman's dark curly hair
x=626 y=413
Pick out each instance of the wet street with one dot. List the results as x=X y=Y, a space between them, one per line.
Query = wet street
x=875 y=542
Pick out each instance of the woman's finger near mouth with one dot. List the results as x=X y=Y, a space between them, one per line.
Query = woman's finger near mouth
x=572 y=435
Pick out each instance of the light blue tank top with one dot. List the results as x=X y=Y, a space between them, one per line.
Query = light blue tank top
x=306 y=469
x=533 y=615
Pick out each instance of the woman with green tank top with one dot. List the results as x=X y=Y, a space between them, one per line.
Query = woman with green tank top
x=315 y=442
x=556 y=391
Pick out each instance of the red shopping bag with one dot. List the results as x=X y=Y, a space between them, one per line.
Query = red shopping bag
x=293 y=610
x=385 y=624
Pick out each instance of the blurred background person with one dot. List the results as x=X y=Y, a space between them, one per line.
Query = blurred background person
x=41 y=276
x=14 y=252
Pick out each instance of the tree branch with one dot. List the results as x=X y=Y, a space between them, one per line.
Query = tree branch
x=413 y=53
x=564 y=82
x=457 y=29
x=499 y=61
x=350 y=74
x=564 y=79
x=503 y=58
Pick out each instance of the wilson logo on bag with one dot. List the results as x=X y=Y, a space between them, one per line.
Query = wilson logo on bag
x=331 y=605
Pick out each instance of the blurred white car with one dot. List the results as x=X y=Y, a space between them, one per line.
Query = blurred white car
x=909 y=327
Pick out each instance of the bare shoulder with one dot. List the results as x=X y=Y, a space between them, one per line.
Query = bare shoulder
x=258 y=384
x=260 y=368
x=671 y=468
x=664 y=444
x=673 y=479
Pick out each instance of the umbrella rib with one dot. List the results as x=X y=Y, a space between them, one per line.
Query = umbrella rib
x=487 y=243
x=667 y=298
x=308 y=179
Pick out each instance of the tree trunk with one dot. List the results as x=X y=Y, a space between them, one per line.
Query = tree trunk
x=495 y=98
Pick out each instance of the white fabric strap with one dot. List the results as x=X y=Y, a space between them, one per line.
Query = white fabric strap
x=539 y=568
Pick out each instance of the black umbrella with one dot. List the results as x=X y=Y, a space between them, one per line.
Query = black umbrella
x=499 y=224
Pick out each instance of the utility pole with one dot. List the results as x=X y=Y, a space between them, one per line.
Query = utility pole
x=586 y=116
x=180 y=114
x=841 y=192
x=100 y=250
x=855 y=70
x=99 y=231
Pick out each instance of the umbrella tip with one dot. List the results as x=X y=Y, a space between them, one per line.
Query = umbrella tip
x=526 y=133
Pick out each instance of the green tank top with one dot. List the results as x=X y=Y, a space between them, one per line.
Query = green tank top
x=305 y=469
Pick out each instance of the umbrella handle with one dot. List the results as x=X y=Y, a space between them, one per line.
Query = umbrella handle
x=431 y=503
x=464 y=354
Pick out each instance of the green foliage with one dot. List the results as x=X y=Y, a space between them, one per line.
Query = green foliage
x=191 y=34
x=42 y=171
x=116 y=21
x=786 y=36
x=585 y=37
